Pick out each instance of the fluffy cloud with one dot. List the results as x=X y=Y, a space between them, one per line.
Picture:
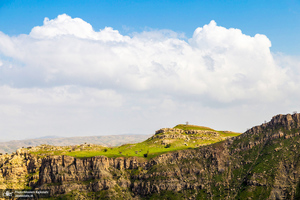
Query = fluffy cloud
x=65 y=25
x=66 y=62
x=69 y=51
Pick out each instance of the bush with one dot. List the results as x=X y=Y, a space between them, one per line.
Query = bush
x=168 y=146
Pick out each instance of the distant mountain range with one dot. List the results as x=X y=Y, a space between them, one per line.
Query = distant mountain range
x=107 y=140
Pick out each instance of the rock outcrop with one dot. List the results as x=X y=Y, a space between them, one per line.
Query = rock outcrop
x=175 y=133
x=188 y=132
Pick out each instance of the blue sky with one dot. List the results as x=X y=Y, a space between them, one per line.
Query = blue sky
x=75 y=68
x=279 y=19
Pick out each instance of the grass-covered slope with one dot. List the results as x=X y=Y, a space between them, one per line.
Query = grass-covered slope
x=177 y=138
x=203 y=128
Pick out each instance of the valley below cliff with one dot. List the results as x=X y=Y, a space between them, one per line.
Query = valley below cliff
x=262 y=163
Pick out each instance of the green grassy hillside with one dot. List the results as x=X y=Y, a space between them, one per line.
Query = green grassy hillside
x=153 y=146
x=194 y=127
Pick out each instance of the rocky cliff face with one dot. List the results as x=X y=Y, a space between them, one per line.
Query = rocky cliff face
x=263 y=163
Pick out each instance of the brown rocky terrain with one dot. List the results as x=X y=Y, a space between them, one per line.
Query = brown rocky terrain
x=262 y=163
x=175 y=133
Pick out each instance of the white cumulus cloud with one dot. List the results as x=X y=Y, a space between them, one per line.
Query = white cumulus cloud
x=66 y=62
x=64 y=25
x=67 y=51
